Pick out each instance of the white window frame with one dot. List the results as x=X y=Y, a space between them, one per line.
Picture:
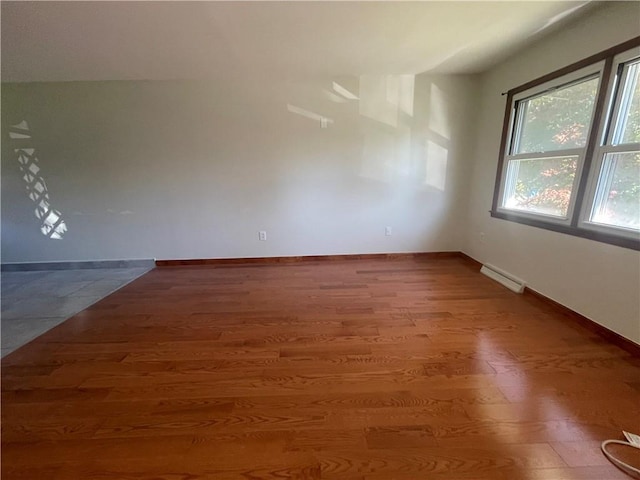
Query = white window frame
x=607 y=143
x=515 y=124
x=590 y=158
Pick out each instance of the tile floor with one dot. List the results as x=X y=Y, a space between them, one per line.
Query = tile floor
x=34 y=302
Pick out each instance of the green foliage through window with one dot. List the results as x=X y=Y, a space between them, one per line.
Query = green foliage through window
x=567 y=166
x=559 y=119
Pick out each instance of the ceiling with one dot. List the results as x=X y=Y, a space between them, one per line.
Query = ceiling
x=62 y=41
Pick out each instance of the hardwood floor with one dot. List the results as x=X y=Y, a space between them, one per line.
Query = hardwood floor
x=361 y=370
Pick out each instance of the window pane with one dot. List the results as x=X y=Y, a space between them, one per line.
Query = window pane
x=617 y=200
x=628 y=122
x=556 y=120
x=540 y=185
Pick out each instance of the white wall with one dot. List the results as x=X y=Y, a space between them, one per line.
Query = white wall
x=185 y=169
x=170 y=169
x=597 y=280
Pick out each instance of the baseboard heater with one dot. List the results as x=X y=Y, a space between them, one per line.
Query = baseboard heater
x=500 y=276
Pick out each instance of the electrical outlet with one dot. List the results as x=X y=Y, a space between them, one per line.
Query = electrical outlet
x=262 y=236
x=387 y=231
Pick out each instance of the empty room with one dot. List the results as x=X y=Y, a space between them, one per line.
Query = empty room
x=320 y=240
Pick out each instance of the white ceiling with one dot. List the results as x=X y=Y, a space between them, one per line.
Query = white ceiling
x=60 y=41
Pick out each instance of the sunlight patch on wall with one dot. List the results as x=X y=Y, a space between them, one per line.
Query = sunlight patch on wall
x=334 y=97
x=383 y=97
x=403 y=92
x=343 y=91
x=439 y=120
x=436 y=165
x=52 y=224
x=324 y=121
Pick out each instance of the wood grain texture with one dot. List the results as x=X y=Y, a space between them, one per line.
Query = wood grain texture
x=366 y=369
x=301 y=258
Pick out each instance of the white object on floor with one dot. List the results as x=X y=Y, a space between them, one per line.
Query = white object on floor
x=633 y=441
x=632 y=438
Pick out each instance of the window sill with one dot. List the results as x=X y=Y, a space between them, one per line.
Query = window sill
x=599 y=236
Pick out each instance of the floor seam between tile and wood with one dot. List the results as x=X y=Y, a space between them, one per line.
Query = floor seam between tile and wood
x=36 y=301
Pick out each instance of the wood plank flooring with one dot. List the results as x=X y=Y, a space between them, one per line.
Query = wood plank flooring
x=360 y=370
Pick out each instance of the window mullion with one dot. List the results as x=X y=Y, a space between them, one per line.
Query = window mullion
x=592 y=140
x=515 y=139
x=624 y=104
x=604 y=177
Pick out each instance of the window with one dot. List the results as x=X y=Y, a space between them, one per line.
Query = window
x=570 y=151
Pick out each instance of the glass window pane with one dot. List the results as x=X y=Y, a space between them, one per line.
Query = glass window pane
x=556 y=120
x=617 y=200
x=540 y=185
x=628 y=122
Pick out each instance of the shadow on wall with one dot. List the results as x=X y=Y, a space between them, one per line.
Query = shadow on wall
x=396 y=144
x=52 y=224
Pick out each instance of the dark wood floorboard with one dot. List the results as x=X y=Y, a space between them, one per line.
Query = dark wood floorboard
x=362 y=370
